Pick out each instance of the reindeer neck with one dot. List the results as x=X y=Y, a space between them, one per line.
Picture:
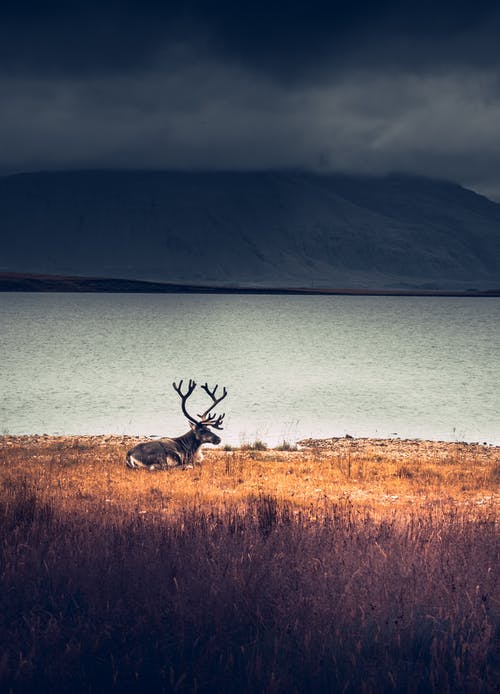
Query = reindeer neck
x=189 y=441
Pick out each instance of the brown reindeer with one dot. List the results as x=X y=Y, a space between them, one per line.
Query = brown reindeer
x=184 y=450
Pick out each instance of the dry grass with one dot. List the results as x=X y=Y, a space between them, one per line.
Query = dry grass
x=87 y=473
x=356 y=566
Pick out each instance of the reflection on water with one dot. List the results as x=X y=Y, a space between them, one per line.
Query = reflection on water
x=294 y=366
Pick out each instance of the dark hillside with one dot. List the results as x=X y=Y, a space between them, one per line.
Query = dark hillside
x=259 y=228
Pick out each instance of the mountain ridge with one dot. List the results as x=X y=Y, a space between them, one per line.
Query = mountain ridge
x=273 y=228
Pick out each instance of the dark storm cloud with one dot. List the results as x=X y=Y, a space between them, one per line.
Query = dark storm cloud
x=368 y=87
x=292 y=40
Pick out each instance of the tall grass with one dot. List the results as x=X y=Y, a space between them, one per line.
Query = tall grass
x=264 y=597
x=262 y=571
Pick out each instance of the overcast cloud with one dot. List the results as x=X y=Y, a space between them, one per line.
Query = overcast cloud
x=371 y=88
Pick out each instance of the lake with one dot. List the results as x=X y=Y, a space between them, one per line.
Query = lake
x=294 y=366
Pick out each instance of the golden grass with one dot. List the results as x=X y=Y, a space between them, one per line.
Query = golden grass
x=351 y=565
x=85 y=473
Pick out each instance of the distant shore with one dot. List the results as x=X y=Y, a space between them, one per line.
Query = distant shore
x=26 y=282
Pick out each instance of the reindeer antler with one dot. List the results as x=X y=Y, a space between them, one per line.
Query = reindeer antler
x=215 y=400
x=213 y=420
x=185 y=396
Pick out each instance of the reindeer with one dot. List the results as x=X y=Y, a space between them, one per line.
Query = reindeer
x=183 y=451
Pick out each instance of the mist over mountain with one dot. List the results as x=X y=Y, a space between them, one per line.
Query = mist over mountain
x=251 y=228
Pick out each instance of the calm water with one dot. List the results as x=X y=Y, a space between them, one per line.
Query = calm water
x=294 y=366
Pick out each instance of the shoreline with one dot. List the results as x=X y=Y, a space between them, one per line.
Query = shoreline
x=340 y=444
x=32 y=282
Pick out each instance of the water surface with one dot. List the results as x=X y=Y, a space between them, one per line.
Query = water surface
x=295 y=366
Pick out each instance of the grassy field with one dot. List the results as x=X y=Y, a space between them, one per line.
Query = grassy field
x=348 y=566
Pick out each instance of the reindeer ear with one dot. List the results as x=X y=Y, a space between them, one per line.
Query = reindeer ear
x=192 y=425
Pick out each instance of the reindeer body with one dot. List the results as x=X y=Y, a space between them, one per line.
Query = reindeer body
x=183 y=451
x=163 y=454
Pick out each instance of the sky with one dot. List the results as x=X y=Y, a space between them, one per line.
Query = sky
x=368 y=87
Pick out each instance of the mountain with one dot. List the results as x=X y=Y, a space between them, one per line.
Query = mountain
x=251 y=228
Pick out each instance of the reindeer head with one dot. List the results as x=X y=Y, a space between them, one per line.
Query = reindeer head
x=204 y=434
x=200 y=426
